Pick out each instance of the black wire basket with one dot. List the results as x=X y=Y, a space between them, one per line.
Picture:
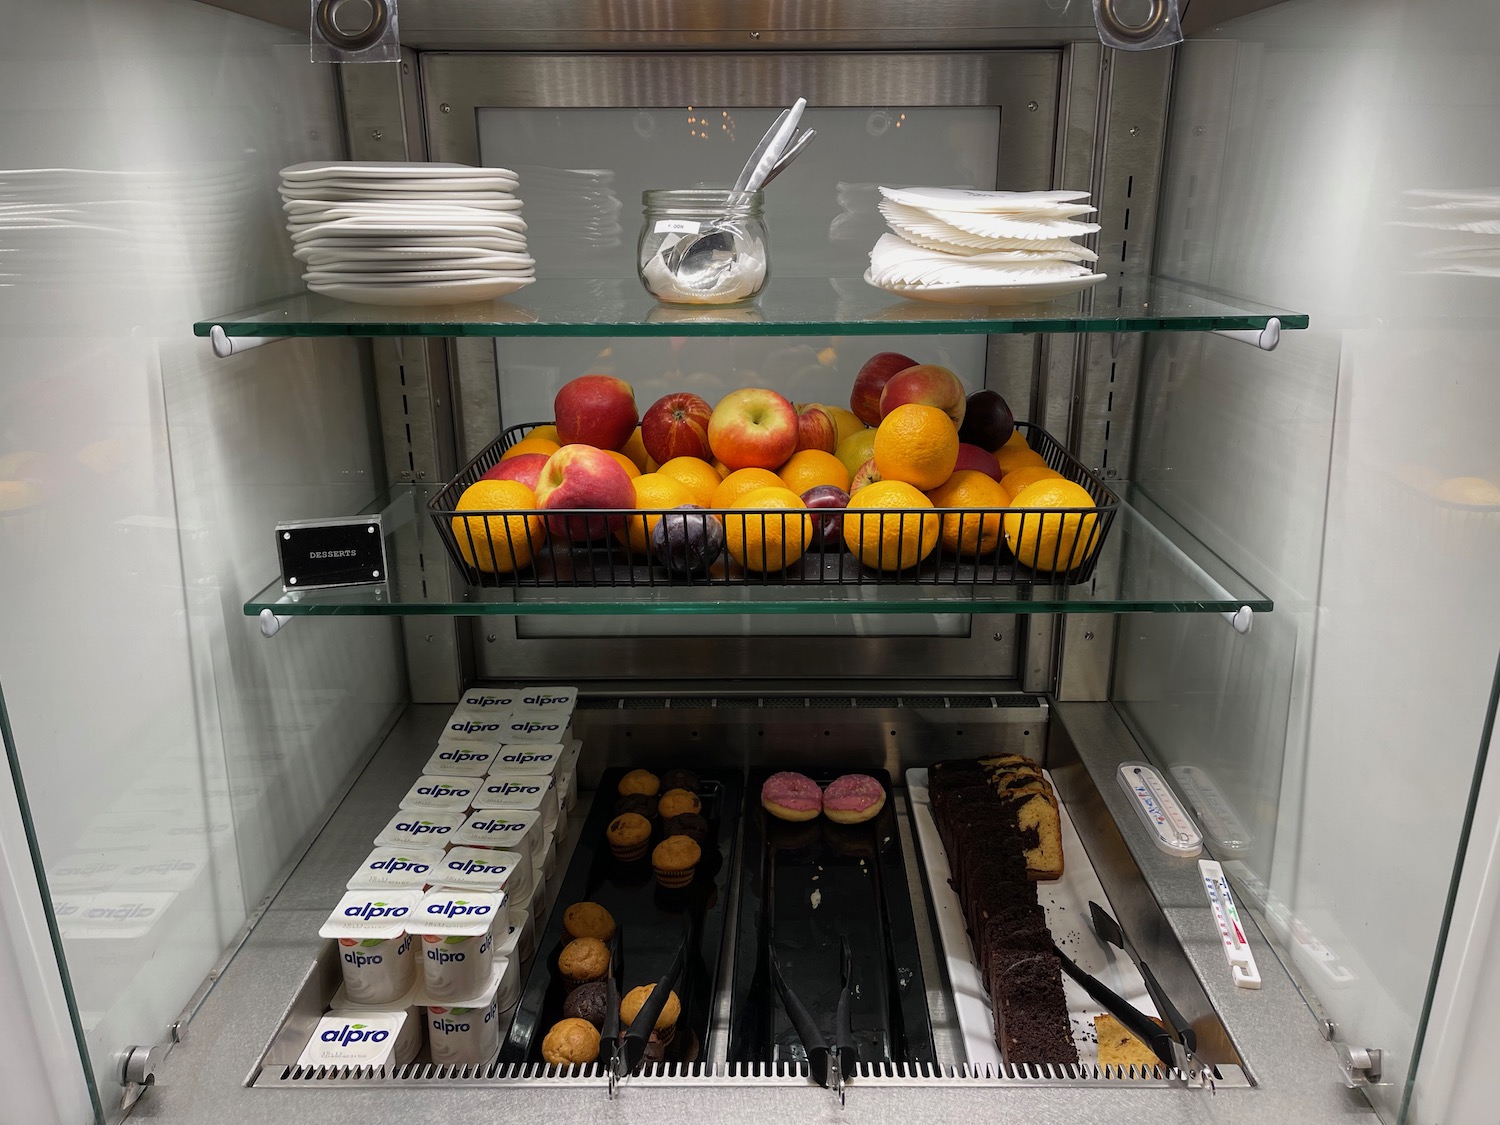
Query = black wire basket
x=589 y=548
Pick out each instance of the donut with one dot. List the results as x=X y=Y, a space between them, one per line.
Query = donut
x=853 y=799
x=791 y=796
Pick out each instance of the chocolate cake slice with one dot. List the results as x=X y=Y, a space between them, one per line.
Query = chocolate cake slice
x=1030 y=1007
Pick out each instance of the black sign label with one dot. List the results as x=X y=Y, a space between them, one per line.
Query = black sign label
x=335 y=553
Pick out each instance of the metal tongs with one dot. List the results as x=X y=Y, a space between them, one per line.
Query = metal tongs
x=632 y=1049
x=609 y=1034
x=831 y=1067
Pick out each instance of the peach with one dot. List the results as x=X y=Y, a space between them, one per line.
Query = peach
x=816 y=428
x=753 y=428
x=926 y=384
x=597 y=410
x=977 y=459
x=527 y=468
x=581 y=476
x=676 y=425
x=864 y=396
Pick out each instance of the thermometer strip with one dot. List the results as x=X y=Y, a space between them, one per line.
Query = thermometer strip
x=1172 y=829
x=1242 y=967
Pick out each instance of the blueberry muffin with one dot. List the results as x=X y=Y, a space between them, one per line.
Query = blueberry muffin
x=675 y=802
x=628 y=835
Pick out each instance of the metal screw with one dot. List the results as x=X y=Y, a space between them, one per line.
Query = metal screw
x=1088 y=636
x=997 y=636
x=430 y=638
x=1199 y=131
x=406 y=474
x=1135 y=130
x=755 y=35
x=421 y=474
x=406 y=68
x=1033 y=106
x=1327 y=1028
x=445 y=108
x=376 y=135
x=490 y=637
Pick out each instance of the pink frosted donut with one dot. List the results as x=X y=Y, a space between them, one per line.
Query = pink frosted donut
x=853 y=798
x=791 y=796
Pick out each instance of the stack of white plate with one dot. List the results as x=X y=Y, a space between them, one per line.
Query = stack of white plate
x=983 y=247
x=397 y=233
x=1458 y=230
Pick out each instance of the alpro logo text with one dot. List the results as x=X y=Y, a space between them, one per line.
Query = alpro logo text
x=370 y=911
x=469 y=726
x=354 y=1033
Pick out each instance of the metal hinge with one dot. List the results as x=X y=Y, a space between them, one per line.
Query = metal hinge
x=1361 y=1065
x=138 y=1066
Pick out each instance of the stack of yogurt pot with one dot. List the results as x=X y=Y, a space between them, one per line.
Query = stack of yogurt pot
x=437 y=918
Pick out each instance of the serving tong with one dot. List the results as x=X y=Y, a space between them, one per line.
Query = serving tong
x=831 y=1066
x=625 y=1052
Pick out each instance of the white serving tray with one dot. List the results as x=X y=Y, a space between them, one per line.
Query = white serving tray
x=1066 y=901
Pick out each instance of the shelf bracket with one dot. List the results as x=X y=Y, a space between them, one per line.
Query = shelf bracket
x=271 y=623
x=225 y=345
x=1240 y=620
x=1265 y=338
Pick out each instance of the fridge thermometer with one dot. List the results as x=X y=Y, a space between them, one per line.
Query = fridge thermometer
x=1163 y=815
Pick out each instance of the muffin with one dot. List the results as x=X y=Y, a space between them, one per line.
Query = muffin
x=588 y=1002
x=656 y=1049
x=673 y=860
x=681 y=779
x=638 y=803
x=582 y=961
x=691 y=825
x=571 y=1042
x=666 y=1022
x=588 y=919
x=628 y=835
x=675 y=802
x=640 y=781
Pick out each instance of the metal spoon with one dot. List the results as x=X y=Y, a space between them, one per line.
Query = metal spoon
x=793 y=151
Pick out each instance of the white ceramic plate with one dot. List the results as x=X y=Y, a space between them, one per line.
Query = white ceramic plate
x=490 y=262
x=399 y=232
x=385 y=169
x=397 y=188
x=407 y=277
x=300 y=210
x=327 y=191
x=1021 y=294
x=1059 y=204
x=417 y=247
x=397 y=257
x=436 y=293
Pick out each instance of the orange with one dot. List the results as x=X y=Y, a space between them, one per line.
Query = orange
x=856 y=449
x=696 y=475
x=549 y=432
x=1017 y=440
x=1054 y=541
x=653 y=492
x=1013 y=457
x=771 y=541
x=497 y=544
x=890 y=542
x=530 y=445
x=845 y=422
x=968 y=533
x=635 y=449
x=916 y=444
x=626 y=463
x=741 y=481
x=1017 y=479
x=812 y=467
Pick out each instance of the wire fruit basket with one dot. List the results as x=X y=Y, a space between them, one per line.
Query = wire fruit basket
x=590 y=548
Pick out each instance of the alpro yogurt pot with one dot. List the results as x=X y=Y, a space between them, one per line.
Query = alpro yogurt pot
x=534 y=726
x=514 y=789
x=396 y=868
x=456 y=930
x=354 y=1039
x=567 y=774
x=374 y=944
x=461 y=758
x=476 y=728
x=488 y=869
x=510 y=829
x=467 y=1028
x=413 y=828
x=409 y=1039
x=530 y=757
x=431 y=793
x=494 y=700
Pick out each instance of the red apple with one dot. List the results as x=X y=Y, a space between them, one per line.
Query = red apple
x=973 y=457
x=988 y=421
x=676 y=425
x=581 y=476
x=527 y=468
x=864 y=396
x=816 y=428
x=926 y=384
x=753 y=429
x=868 y=474
x=828 y=528
x=597 y=410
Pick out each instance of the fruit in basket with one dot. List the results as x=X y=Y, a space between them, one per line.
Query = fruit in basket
x=815 y=428
x=977 y=459
x=889 y=541
x=809 y=467
x=549 y=432
x=631 y=469
x=1050 y=540
x=762 y=538
x=597 y=410
x=1017 y=479
x=856 y=449
x=1013 y=457
x=926 y=384
x=845 y=422
x=988 y=420
x=497 y=544
x=753 y=428
x=877 y=371
x=526 y=468
x=916 y=444
x=676 y=425
x=969 y=533
x=635 y=449
x=1017 y=440
x=696 y=475
x=827 y=528
x=738 y=483
x=868 y=474
x=686 y=543
x=530 y=444
x=653 y=492
x=580 y=476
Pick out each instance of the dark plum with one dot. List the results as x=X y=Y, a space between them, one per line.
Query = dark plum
x=827 y=528
x=988 y=421
x=687 y=543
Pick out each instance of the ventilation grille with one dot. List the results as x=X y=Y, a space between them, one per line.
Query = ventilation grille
x=803 y=702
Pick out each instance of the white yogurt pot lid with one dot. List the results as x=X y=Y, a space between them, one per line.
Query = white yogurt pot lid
x=456 y=913
x=371 y=914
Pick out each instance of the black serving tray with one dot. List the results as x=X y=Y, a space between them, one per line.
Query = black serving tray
x=857 y=877
x=652 y=920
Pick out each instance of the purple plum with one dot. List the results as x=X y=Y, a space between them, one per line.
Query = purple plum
x=827 y=528
x=988 y=421
x=685 y=543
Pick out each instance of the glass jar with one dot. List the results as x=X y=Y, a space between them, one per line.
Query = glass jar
x=704 y=246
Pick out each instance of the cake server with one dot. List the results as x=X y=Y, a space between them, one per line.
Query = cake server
x=645 y=1020
x=1109 y=930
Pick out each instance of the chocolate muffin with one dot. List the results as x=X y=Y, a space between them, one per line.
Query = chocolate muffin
x=691 y=825
x=588 y=1002
x=680 y=779
x=637 y=803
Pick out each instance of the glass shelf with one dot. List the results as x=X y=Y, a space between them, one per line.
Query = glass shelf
x=790 y=306
x=1147 y=565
